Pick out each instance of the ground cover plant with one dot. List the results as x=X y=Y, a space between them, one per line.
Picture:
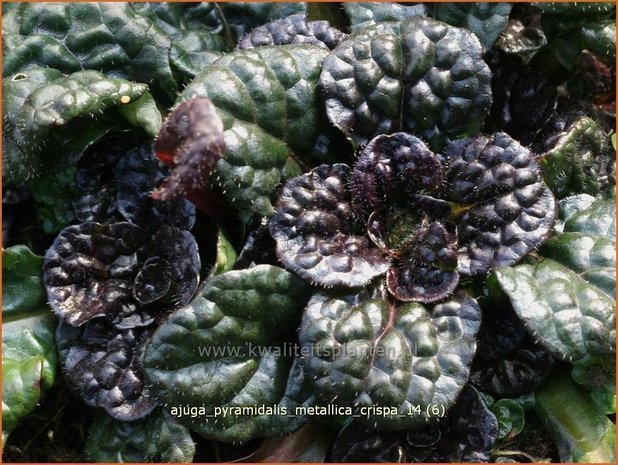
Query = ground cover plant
x=341 y=232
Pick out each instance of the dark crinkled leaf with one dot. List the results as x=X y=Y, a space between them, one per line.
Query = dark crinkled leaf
x=89 y=268
x=570 y=316
x=202 y=356
x=102 y=363
x=95 y=270
x=502 y=332
x=369 y=352
x=389 y=166
x=269 y=102
x=294 y=29
x=507 y=209
x=153 y=281
x=312 y=227
x=96 y=197
x=259 y=248
x=137 y=174
x=179 y=249
x=363 y=15
x=486 y=20
x=59 y=119
x=109 y=37
x=156 y=438
x=427 y=268
x=28 y=349
x=508 y=362
x=520 y=372
x=578 y=161
x=53 y=196
x=420 y=76
x=467 y=434
x=473 y=432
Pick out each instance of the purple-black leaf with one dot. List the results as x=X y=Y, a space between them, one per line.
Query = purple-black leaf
x=391 y=166
x=427 y=268
x=505 y=210
x=138 y=173
x=102 y=364
x=88 y=270
x=313 y=230
x=294 y=29
x=153 y=281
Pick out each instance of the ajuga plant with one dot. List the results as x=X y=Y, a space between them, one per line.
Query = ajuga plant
x=308 y=232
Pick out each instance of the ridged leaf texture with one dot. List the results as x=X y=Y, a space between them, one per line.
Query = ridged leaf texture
x=369 y=352
x=215 y=353
x=156 y=438
x=420 y=76
x=269 y=102
x=567 y=300
x=48 y=119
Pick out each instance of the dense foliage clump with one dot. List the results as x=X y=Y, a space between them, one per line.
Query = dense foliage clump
x=309 y=232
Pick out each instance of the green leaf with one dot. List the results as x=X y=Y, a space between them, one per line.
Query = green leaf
x=156 y=438
x=419 y=75
x=511 y=418
x=363 y=15
x=224 y=351
x=569 y=316
x=571 y=205
x=108 y=37
x=22 y=281
x=593 y=257
x=367 y=352
x=53 y=195
x=486 y=20
x=28 y=351
x=578 y=162
x=598 y=219
x=226 y=254
x=582 y=432
x=143 y=113
x=269 y=101
x=60 y=118
x=600 y=37
x=598 y=374
x=193 y=45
